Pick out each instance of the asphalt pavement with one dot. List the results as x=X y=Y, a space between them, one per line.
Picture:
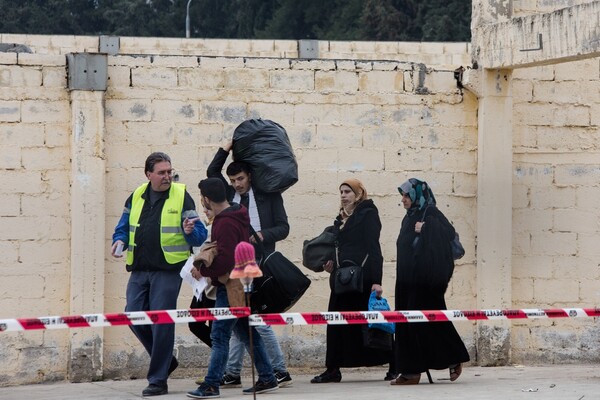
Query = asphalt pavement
x=560 y=382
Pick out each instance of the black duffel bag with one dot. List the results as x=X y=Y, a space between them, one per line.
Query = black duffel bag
x=280 y=287
x=266 y=147
x=316 y=252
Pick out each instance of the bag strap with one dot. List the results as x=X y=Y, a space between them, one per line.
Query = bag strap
x=424 y=213
x=259 y=244
x=337 y=257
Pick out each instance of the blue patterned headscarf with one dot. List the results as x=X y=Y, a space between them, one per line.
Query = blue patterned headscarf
x=419 y=192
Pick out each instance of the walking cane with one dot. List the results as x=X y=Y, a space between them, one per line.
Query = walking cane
x=246 y=270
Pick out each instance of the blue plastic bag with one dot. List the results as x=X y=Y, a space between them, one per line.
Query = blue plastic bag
x=380 y=304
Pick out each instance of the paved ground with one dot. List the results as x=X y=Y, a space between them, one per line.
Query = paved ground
x=569 y=382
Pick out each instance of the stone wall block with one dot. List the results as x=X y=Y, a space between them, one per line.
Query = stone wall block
x=175 y=111
x=54 y=77
x=201 y=78
x=555 y=292
x=119 y=76
x=34 y=228
x=533 y=175
x=128 y=110
x=361 y=160
x=569 y=175
x=346 y=82
x=10 y=111
x=332 y=136
x=553 y=243
x=268 y=63
x=8 y=58
x=10 y=157
x=317 y=113
x=229 y=112
x=221 y=62
x=571 y=220
x=33 y=59
x=294 y=80
x=45 y=111
x=155 y=77
x=246 y=79
x=21 y=181
x=283 y=114
x=377 y=82
x=10 y=205
x=578 y=70
x=18 y=76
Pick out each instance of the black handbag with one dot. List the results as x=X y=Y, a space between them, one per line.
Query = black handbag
x=280 y=287
x=348 y=277
x=377 y=339
x=316 y=252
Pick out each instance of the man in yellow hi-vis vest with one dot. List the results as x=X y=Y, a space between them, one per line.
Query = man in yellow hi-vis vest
x=158 y=227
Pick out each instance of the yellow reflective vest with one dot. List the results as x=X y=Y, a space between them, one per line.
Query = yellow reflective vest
x=173 y=243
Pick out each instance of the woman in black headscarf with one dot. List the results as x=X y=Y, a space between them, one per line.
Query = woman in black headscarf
x=424 y=267
x=357 y=227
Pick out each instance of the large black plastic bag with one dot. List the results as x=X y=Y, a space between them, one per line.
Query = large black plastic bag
x=266 y=147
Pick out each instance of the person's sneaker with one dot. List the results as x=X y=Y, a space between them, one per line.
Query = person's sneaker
x=231 y=381
x=283 y=378
x=262 y=387
x=204 y=391
x=155 y=390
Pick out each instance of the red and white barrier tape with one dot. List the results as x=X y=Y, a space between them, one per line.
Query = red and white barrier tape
x=126 y=318
x=363 y=317
x=316 y=318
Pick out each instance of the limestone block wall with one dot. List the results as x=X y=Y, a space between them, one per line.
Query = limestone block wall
x=526 y=7
x=448 y=53
x=556 y=228
x=379 y=121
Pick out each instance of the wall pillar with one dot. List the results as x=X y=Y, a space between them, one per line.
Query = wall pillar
x=88 y=205
x=494 y=213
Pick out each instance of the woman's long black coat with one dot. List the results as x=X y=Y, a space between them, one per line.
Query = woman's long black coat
x=422 y=275
x=358 y=237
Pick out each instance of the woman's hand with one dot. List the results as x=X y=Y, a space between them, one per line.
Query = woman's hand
x=419 y=226
x=196 y=273
x=378 y=289
x=328 y=266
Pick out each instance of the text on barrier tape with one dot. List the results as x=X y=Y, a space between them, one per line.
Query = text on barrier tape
x=316 y=318
x=363 y=317
x=126 y=318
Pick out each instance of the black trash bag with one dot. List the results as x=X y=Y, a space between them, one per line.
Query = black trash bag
x=266 y=147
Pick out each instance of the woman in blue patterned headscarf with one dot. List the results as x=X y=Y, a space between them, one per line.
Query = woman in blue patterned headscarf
x=424 y=266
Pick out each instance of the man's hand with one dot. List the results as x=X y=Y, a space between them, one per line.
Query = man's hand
x=227 y=147
x=253 y=239
x=188 y=224
x=113 y=250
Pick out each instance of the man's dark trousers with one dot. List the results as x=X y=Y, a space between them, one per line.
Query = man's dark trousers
x=154 y=290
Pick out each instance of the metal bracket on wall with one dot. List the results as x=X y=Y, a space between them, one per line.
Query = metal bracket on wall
x=109 y=45
x=308 y=49
x=540 y=45
x=87 y=71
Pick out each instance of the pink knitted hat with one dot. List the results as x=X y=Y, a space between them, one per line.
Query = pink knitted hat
x=245 y=262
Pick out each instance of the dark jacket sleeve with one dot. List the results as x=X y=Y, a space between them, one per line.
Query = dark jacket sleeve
x=434 y=256
x=215 y=170
x=372 y=231
x=280 y=228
